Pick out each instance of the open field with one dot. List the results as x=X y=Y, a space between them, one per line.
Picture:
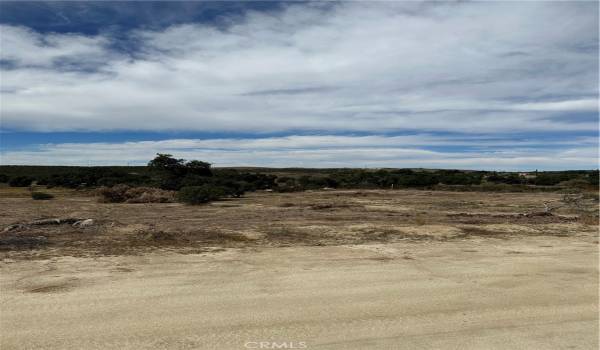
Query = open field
x=332 y=269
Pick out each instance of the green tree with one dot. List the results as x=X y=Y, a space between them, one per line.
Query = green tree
x=166 y=162
x=198 y=167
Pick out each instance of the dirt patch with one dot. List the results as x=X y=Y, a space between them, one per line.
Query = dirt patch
x=287 y=205
x=324 y=206
x=479 y=232
x=488 y=218
x=49 y=284
x=14 y=242
x=55 y=288
x=369 y=296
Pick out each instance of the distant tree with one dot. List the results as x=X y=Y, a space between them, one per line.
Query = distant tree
x=173 y=173
x=166 y=162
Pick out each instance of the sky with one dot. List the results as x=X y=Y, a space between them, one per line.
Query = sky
x=462 y=85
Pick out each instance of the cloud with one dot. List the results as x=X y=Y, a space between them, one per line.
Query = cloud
x=573 y=105
x=328 y=151
x=369 y=67
x=25 y=48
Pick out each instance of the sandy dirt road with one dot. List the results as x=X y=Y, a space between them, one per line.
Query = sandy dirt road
x=488 y=293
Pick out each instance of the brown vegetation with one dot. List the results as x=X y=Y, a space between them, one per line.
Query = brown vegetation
x=278 y=219
x=127 y=194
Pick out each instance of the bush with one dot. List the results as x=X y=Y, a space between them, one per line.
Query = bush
x=195 y=180
x=149 y=195
x=38 y=196
x=4 y=178
x=316 y=182
x=234 y=189
x=200 y=194
x=20 y=181
x=126 y=194
x=114 y=194
x=575 y=184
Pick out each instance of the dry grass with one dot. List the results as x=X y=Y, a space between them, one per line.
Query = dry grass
x=333 y=205
x=589 y=219
x=279 y=219
x=470 y=231
x=289 y=235
x=420 y=219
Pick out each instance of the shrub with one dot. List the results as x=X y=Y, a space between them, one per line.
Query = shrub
x=114 y=194
x=20 y=181
x=125 y=194
x=200 y=194
x=41 y=196
x=316 y=182
x=4 y=178
x=148 y=195
x=575 y=184
x=233 y=188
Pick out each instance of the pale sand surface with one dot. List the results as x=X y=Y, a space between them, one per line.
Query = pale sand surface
x=534 y=292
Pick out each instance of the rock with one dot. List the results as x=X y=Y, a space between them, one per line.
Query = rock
x=14 y=227
x=56 y=221
x=45 y=222
x=84 y=223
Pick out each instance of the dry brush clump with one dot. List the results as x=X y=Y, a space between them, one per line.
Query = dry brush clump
x=41 y=196
x=287 y=205
x=187 y=238
x=583 y=204
x=127 y=194
x=288 y=235
x=334 y=205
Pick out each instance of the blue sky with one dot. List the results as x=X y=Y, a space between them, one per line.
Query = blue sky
x=471 y=85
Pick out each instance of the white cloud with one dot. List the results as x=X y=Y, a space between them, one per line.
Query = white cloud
x=573 y=105
x=326 y=151
x=460 y=67
x=28 y=48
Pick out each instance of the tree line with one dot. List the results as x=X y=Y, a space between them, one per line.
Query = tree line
x=196 y=179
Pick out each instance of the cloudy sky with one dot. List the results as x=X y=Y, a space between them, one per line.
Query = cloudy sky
x=470 y=85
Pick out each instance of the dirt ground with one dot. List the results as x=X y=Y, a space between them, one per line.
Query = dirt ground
x=316 y=270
